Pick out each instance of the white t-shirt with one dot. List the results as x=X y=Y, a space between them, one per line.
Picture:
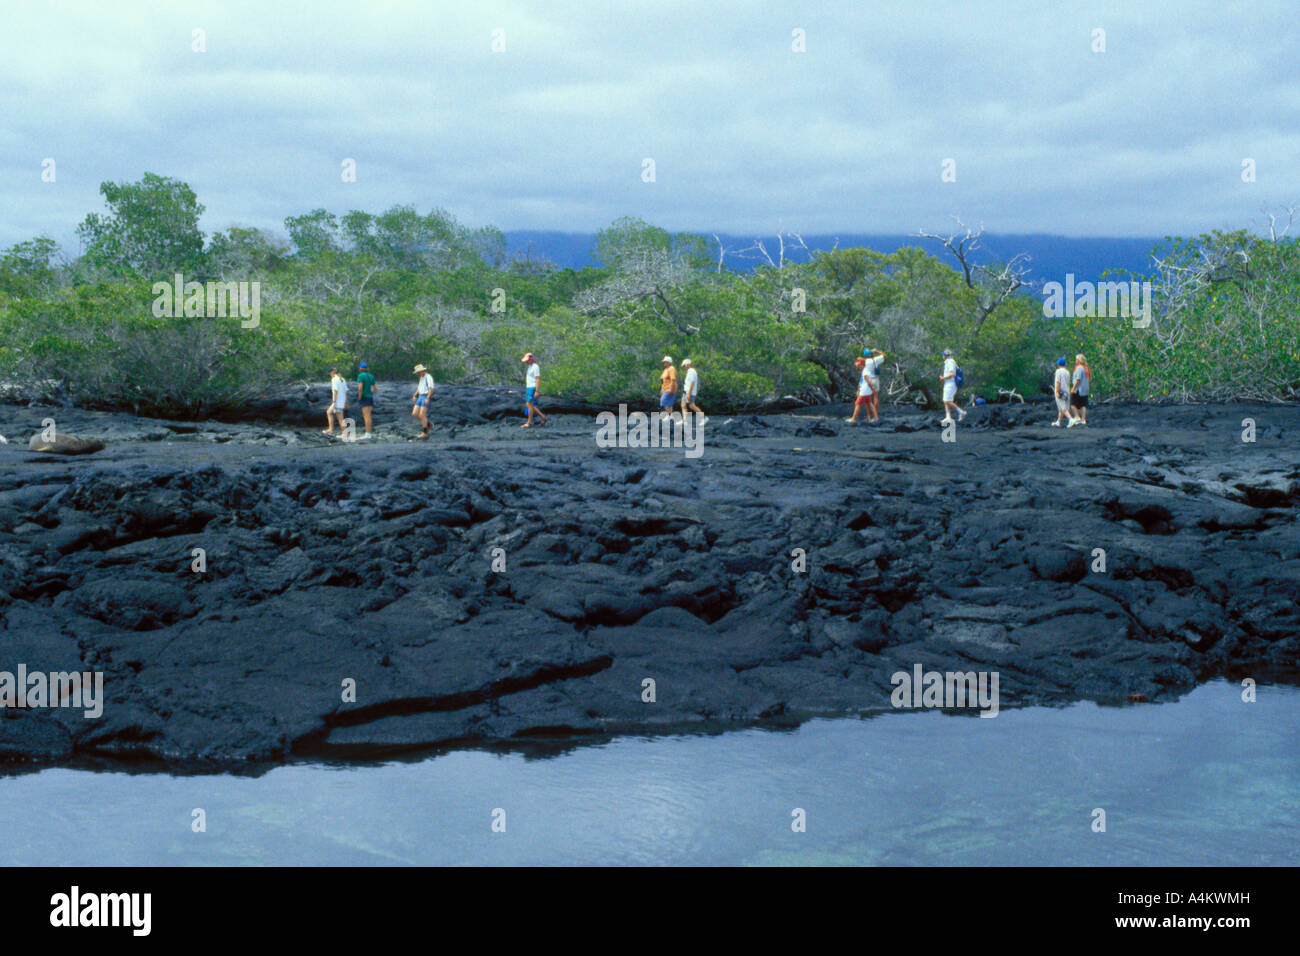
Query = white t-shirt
x=873 y=366
x=534 y=373
x=425 y=385
x=950 y=368
x=692 y=382
x=864 y=384
x=340 y=390
x=1061 y=386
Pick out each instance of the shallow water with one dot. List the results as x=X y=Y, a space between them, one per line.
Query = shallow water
x=1206 y=780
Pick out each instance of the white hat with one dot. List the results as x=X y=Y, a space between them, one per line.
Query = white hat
x=668 y=359
x=686 y=361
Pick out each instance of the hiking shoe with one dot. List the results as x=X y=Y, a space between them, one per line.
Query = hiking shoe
x=1072 y=423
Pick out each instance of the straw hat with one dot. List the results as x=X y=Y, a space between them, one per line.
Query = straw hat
x=418 y=369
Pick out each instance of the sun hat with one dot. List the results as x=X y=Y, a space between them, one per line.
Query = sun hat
x=668 y=359
x=418 y=369
x=528 y=357
x=686 y=361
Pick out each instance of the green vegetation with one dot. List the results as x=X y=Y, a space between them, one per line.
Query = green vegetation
x=402 y=287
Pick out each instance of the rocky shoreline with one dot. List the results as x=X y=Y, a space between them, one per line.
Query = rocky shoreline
x=496 y=586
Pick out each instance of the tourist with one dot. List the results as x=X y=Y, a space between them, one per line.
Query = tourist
x=949 y=380
x=690 y=387
x=875 y=359
x=1061 y=392
x=338 y=402
x=1080 y=386
x=532 y=382
x=365 y=395
x=667 y=387
x=422 y=397
x=863 y=401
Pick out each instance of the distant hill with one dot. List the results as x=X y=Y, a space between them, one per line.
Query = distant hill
x=1050 y=257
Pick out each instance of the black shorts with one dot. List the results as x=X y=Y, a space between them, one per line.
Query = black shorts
x=1079 y=401
x=367 y=402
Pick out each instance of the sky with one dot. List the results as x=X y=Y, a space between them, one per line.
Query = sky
x=1038 y=132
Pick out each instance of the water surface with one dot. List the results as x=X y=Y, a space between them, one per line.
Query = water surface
x=1206 y=780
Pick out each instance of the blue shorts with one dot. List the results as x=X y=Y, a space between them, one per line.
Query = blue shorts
x=530 y=395
x=421 y=401
x=666 y=399
x=367 y=402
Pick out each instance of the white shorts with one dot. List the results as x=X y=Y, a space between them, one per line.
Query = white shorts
x=949 y=390
x=1062 y=404
x=339 y=409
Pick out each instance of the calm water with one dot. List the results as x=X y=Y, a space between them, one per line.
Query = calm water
x=1207 y=780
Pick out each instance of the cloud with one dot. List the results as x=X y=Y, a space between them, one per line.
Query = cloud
x=747 y=135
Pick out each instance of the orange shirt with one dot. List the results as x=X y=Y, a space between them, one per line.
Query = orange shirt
x=668 y=381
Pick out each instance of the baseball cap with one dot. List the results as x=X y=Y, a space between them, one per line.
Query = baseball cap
x=527 y=357
x=363 y=365
x=686 y=361
x=1061 y=360
x=947 y=351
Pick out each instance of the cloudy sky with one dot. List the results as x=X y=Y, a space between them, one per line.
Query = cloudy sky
x=747 y=134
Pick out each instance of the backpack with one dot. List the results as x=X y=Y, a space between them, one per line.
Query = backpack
x=959 y=379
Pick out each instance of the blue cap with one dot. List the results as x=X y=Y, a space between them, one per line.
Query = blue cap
x=866 y=353
x=947 y=351
x=1060 y=361
x=364 y=365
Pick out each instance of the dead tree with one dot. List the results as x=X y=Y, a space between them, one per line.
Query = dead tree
x=992 y=285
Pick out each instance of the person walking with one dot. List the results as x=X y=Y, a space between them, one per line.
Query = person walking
x=875 y=360
x=365 y=395
x=532 y=382
x=338 y=405
x=422 y=397
x=949 y=381
x=1061 y=392
x=863 y=401
x=667 y=387
x=1080 y=386
x=690 y=387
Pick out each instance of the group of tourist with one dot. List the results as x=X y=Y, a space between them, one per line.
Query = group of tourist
x=1069 y=389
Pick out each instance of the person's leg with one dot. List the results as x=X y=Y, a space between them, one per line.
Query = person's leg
x=329 y=420
x=365 y=414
